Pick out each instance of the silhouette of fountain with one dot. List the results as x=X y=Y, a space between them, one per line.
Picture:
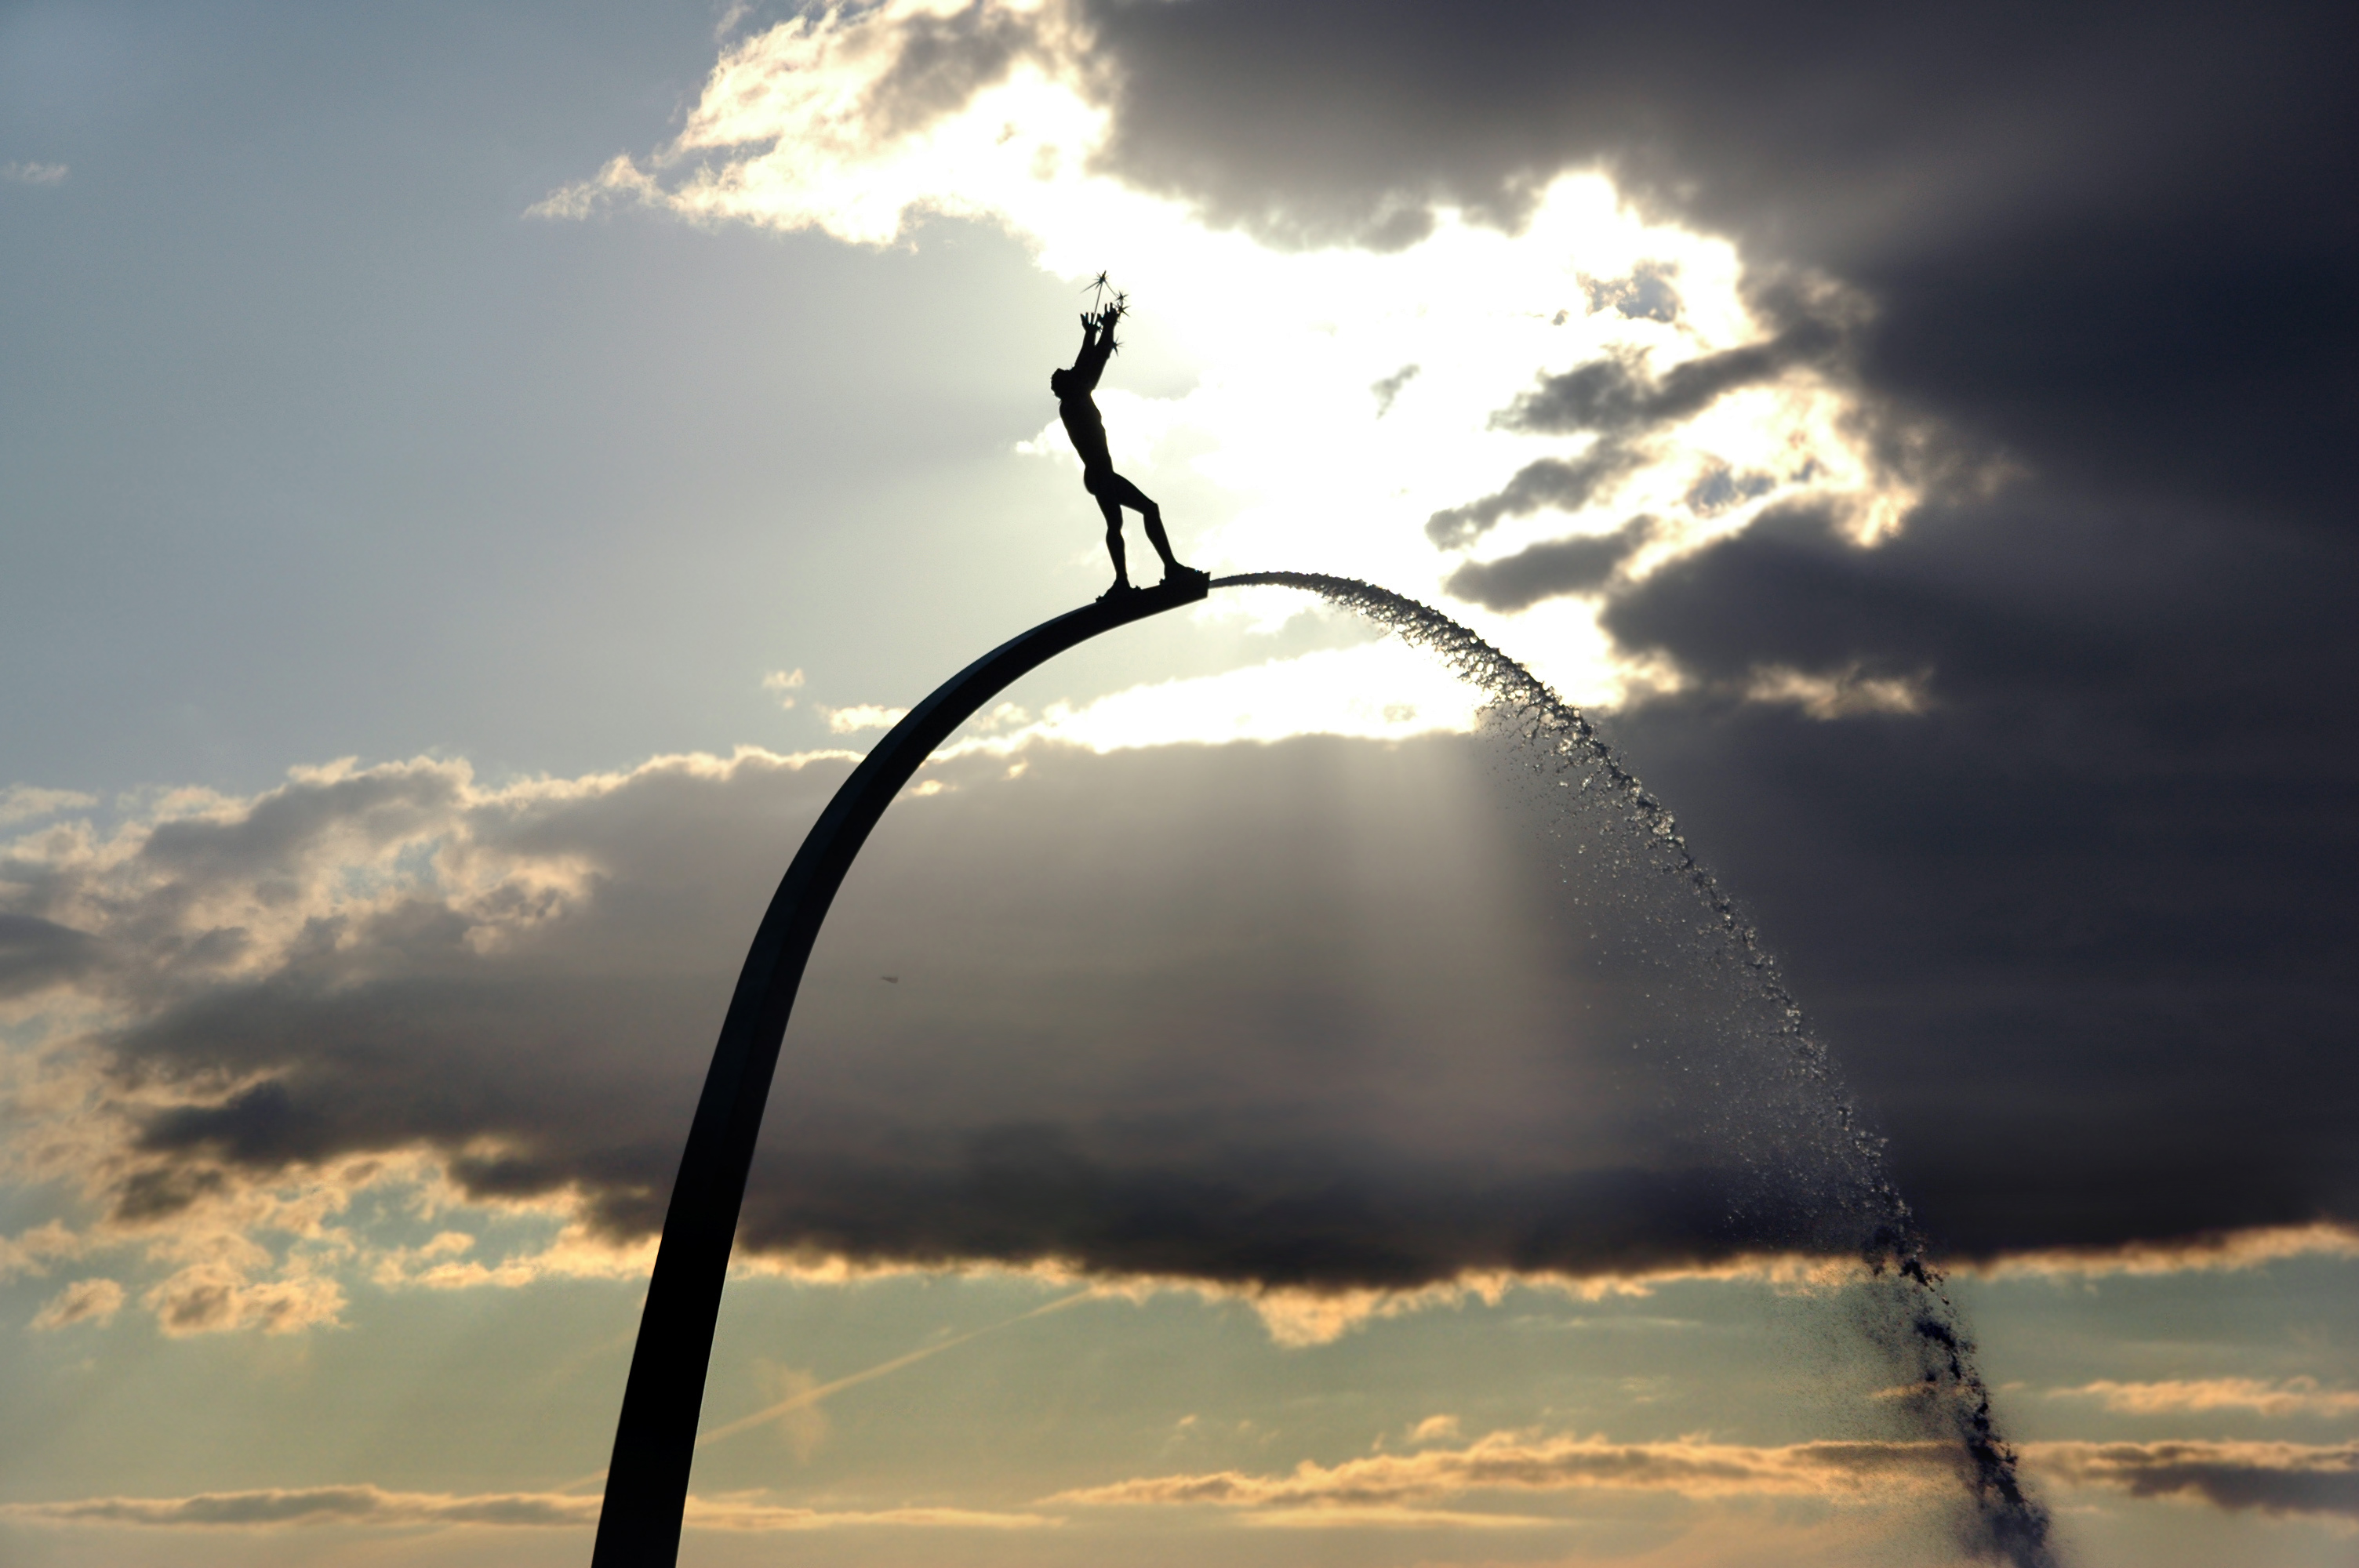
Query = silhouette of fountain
x=1826 y=1153
x=654 y=1437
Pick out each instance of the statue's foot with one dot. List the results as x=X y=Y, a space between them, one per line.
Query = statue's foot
x=1121 y=586
x=1176 y=575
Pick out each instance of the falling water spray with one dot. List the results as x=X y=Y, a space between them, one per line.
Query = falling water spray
x=1910 y=1313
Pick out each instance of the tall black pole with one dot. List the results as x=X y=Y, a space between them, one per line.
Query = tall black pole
x=655 y=1441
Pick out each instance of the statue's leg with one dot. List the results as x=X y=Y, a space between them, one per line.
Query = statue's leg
x=1125 y=494
x=1156 y=536
x=1113 y=510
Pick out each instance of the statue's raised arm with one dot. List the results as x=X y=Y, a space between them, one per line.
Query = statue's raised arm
x=1097 y=347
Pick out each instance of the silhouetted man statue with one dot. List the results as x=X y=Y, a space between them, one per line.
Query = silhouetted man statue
x=1087 y=429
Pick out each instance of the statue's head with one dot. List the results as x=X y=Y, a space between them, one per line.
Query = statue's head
x=1059 y=380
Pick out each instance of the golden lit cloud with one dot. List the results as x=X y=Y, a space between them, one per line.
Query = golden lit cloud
x=2279 y=1477
x=1343 y=397
x=23 y=803
x=2236 y=1249
x=277 y=1508
x=1514 y=1462
x=32 y=1250
x=784 y=684
x=862 y=716
x=2290 y=1396
x=214 y=1298
x=84 y=1301
x=1354 y=1516
x=1838 y=695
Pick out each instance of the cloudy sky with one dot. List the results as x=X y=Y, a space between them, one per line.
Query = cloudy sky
x=472 y=482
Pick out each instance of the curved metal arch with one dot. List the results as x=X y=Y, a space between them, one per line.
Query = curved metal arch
x=654 y=1439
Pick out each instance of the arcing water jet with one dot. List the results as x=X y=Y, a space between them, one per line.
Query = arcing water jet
x=1913 y=1315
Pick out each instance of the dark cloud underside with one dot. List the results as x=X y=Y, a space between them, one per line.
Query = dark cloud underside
x=2081 y=929
x=1326 y=1012
x=1308 y=1013
x=1617 y=396
x=1822 y=131
x=2095 y=240
x=1561 y=484
x=1579 y=565
x=2270 y=1478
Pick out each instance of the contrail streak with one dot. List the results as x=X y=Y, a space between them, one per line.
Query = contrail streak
x=809 y=1397
x=812 y=1396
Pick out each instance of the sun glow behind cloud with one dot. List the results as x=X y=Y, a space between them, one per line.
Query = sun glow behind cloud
x=1344 y=395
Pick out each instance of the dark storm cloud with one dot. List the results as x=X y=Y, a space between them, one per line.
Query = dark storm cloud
x=1617 y=396
x=1620 y=403
x=1822 y=128
x=2097 y=241
x=1545 y=571
x=2081 y=927
x=1314 y=1217
x=1565 y=484
x=1305 y=1014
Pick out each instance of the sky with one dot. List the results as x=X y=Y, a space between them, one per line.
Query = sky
x=472 y=482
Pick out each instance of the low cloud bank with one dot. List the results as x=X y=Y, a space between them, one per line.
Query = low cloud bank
x=1512 y=1461
x=1311 y=1015
x=2291 y=1397
x=2275 y=1477
x=368 y=1507
x=1319 y=1021
x=2270 y=1478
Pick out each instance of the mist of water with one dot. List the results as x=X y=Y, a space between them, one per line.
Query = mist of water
x=1812 y=1173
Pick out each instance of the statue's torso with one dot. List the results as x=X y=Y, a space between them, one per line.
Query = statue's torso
x=1087 y=429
